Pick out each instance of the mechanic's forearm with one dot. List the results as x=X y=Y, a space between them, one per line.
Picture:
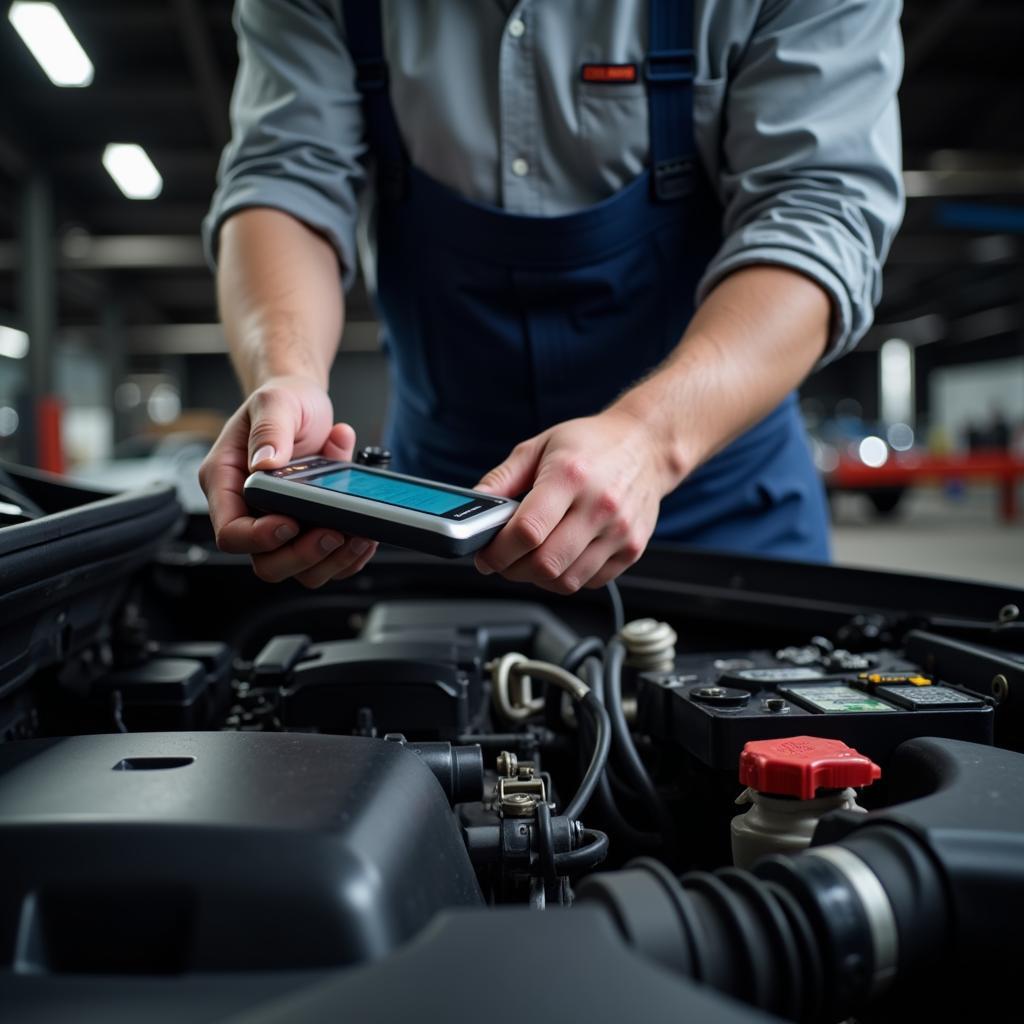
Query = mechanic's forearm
x=280 y=296
x=754 y=339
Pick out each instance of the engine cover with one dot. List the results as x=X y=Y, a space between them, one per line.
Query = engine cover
x=171 y=852
x=418 y=688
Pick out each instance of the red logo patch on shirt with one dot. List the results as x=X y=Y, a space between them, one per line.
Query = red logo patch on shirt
x=609 y=74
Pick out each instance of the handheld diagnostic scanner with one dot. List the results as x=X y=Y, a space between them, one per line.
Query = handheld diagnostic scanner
x=435 y=518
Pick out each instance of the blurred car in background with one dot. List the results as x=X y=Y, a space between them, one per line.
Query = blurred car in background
x=843 y=446
x=884 y=461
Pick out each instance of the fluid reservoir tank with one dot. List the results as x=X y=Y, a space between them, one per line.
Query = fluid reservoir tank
x=791 y=783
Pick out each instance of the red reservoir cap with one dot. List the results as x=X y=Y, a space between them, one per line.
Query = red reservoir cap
x=801 y=765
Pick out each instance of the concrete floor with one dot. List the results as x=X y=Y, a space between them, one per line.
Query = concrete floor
x=933 y=533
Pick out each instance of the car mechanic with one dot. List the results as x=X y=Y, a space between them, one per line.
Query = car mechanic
x=607 y=241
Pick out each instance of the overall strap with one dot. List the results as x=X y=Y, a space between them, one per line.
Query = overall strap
x=669 y=70
x=363 y=27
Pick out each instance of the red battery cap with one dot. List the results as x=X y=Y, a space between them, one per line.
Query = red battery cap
x=801 y=765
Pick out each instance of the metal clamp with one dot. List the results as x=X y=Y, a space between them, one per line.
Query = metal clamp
x=520 y=789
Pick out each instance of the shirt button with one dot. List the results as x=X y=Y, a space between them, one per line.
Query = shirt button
x=516 y=27
x=520 y=168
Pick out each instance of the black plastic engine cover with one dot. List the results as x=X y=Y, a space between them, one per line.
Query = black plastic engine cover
x=418 y=688
x=161 y=853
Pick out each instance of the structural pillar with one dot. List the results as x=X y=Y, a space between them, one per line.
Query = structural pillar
x=113 y=346
x=38 y=299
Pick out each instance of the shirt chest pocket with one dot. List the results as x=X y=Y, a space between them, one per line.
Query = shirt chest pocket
x=612 y=121
x=613 y=127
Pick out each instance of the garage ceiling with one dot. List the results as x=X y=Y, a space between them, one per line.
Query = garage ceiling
x=164 y=69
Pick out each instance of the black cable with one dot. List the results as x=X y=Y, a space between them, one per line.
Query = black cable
x=598 y=760
x=571 y=661
x=622 y=829
x=547 y=845
x=639 y=841
x=586 y=731
x=618 y=611
x=585 y=857
x=619 y=787
x=584 y=648
x=628 y=757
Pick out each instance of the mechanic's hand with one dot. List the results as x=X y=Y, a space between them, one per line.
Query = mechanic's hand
x=596 y=486
x=285 y=418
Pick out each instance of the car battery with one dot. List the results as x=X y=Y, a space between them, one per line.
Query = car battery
x=712 y=705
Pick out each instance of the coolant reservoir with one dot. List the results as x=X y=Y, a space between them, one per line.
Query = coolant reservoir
x=791 y=783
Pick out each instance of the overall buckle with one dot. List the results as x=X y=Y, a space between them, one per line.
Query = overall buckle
x=673 y=179
x=664 y=66
x=372 y=75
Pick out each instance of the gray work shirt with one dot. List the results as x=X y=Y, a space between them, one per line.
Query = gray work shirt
x=794 y=102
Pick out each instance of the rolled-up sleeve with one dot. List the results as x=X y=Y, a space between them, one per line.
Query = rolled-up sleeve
x=811 y=152
x=297 y=131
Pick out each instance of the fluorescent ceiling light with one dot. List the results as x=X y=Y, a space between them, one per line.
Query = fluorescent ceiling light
x=13 y=344
x=896 y=381
x=45 y=32
x=130 y=167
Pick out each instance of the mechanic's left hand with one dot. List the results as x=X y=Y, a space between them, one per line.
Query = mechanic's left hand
x=596 y=486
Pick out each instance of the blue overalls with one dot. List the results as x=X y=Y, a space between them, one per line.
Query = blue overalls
x=500 y=325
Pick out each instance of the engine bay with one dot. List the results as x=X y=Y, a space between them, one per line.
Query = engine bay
x=730 y=789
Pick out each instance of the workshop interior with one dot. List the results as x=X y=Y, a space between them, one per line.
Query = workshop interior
x=723 y=788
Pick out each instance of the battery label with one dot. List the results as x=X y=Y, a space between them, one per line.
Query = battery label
x=836 y=700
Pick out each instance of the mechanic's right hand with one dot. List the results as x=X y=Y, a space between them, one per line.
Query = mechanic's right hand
x=287 y=417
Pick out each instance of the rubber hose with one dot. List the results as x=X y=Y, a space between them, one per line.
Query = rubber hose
x=625 y=749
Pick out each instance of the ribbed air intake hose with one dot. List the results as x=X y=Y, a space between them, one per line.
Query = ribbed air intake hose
x=813 y=937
